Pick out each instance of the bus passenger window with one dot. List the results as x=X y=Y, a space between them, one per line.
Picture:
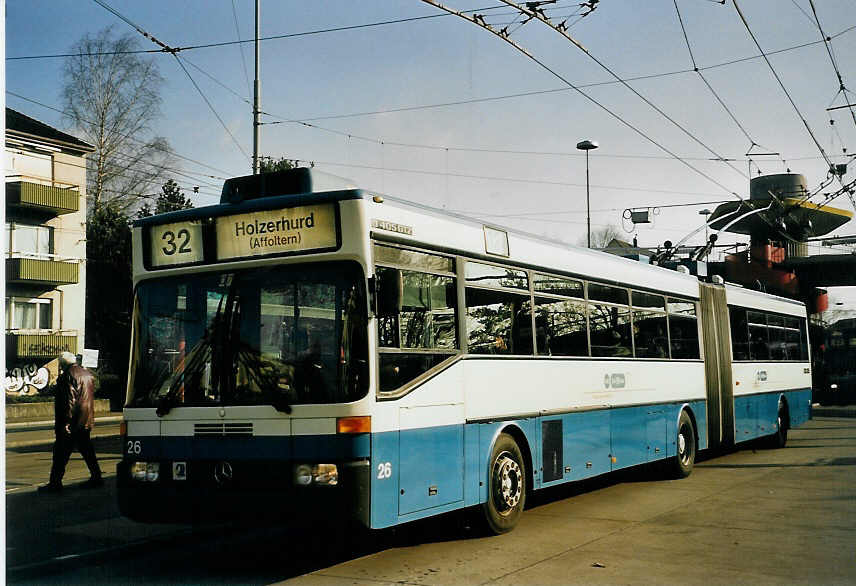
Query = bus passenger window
x=610 y=330
x=421 y=331
x=683 y=329
x=739 y=333
x=649 y=334
x=759 y=338
x=498 y=322
x=561 y=327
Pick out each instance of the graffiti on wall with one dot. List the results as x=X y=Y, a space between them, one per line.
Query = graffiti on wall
x=27 y=379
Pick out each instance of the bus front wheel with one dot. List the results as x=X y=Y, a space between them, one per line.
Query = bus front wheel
x=506 y=486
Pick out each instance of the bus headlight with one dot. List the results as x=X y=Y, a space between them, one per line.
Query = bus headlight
x=833 y=387
x=303 y=475
x=318 y=474
x=145 y=471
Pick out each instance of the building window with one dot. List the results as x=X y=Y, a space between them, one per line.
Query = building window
x=29 y=240
x=29 y=314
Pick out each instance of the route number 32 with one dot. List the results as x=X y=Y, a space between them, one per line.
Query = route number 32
x=384 y=470
x=176 y=242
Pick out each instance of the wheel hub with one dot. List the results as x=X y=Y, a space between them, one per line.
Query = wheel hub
x=508 y=482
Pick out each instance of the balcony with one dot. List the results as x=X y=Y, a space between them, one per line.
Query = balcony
x=42 y=271
x=40 y=345
x=44 y=198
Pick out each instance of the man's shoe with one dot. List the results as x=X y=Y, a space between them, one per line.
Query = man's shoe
x=93 y=483
x=50 y=488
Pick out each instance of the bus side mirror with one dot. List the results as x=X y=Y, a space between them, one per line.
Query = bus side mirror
x=389 y=292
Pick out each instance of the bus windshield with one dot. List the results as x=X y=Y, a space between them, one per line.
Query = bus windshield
x=279 y=335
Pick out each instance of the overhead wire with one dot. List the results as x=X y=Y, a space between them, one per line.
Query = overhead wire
x=241 y=48
x=173 y=52
x=827 y=43
x=536 y=15
x=131 y=138
x=719 y=99
x=318 y=163
x=781 y=84
x=585 y=95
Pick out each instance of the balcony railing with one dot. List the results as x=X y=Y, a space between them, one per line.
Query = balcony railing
x=47 y=198
x=41 y=270
x=48 y=344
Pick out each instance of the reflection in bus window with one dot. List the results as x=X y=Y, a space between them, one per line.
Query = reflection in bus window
x=610 y=330
x=649 y=334
x=683 y=329
x=498 y=322
x=255 y=337
x=493 y=276
x=739 y=333
x=598 y=292
x=425 y=326
x=561 y=327
x=558 y=286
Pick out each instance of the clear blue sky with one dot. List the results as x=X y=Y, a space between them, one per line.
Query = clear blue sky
x=445 y=59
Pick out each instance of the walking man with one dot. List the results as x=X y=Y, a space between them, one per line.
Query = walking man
x=74 y=409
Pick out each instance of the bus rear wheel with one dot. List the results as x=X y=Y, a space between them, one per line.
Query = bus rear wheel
x=506 y=493
x=780 y=438
x=685 y=452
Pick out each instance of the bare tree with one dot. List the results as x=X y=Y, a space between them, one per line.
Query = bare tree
x=111 y=97
x=601 y=237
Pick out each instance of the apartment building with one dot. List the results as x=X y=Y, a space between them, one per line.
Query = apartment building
x=45 y=245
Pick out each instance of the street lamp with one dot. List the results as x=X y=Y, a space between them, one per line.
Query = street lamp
x=587 y=145
x=705 y=212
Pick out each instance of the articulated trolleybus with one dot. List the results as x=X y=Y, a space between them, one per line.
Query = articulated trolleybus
x=342 y=353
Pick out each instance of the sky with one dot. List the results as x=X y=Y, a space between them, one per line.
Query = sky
x=431 y=109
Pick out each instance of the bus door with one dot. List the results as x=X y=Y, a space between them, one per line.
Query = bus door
x=717 y=365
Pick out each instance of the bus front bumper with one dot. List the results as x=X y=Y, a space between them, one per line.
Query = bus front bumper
x=247 y=490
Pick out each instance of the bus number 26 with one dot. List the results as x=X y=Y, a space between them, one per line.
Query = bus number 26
x=172 y=247
x=384 y=470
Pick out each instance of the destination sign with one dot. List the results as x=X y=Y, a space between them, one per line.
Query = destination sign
x=176 y=244
x=265 y=232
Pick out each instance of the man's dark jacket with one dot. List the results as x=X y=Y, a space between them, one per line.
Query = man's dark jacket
x=75 y=399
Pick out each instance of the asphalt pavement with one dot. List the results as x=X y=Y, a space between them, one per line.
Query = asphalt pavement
x=752 y=516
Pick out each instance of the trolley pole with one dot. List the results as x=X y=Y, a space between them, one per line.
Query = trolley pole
x=256 y=99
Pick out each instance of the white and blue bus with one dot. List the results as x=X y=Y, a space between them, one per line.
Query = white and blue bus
x=344 y=353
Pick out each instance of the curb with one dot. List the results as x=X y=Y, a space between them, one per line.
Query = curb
x=847 y=411
x=48 y=423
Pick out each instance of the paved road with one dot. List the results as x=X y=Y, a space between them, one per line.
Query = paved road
x=753 y=516
x=28 y=457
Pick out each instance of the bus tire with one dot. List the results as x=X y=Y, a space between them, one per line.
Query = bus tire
x=506 y=490
x=685 y=447
x=780 y=438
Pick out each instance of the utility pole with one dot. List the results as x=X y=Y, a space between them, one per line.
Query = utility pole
x=256 y=100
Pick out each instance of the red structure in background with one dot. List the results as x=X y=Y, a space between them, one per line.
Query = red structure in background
x=761 y=270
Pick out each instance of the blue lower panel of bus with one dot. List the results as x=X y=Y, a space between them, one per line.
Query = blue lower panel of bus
x=418 y=473
x=755 y=415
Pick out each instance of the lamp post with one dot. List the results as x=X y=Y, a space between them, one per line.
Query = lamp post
x=587 y=145
x=705 y=212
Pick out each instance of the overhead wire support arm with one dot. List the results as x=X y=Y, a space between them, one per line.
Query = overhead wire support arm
x=536 y=15
x=564 y=80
